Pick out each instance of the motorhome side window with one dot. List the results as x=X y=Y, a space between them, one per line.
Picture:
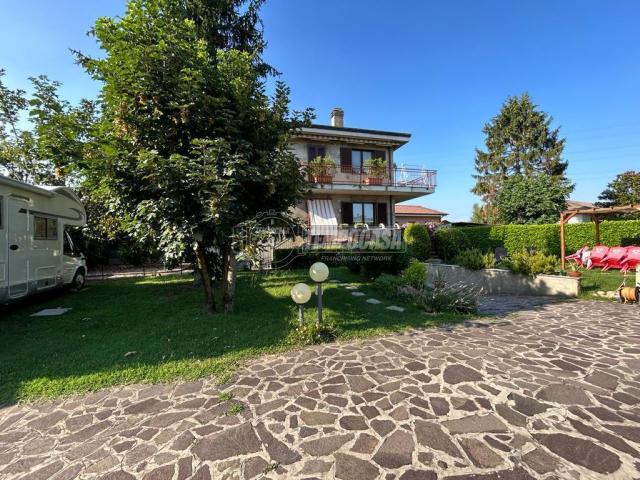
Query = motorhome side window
x=45 y=228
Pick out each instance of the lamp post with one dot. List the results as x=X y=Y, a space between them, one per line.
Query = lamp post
x=301 y=293
x=319 y=272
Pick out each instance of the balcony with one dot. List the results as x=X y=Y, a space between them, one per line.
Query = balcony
x=403 y=181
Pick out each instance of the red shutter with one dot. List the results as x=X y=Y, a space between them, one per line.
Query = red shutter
x=382 y=214
x=347 y=212
x=345 y=161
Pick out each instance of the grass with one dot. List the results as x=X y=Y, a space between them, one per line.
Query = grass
x=162 y=320
x=596 y=280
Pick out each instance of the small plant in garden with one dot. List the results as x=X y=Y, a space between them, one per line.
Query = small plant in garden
x=456 y=298
x=531 y=263
x=474 y=259
x=388 y=283
x=235 y=409
x=415 y=274
x=225 y=396
x=418 y=241
x=310 y=333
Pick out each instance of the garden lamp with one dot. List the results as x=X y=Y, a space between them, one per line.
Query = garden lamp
x=319 y=272
x=301 y=293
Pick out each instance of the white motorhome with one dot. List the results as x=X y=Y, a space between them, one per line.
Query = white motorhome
x=36 y=252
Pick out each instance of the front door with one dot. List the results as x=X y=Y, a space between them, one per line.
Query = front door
x=18 y=230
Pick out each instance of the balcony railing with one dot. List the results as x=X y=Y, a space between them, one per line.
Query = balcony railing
x=350 y=175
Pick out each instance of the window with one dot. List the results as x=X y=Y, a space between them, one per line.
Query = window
x=363 y=213
x=45 y=228
x=358 y=157
x=314 y=151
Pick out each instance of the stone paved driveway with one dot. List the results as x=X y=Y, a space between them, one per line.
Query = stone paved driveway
x=548 y=392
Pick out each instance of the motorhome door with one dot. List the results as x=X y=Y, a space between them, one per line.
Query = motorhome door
x=18 y=230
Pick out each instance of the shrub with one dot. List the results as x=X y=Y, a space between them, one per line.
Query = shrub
x=418 y=241
x=456 y=298
x=415 y=274
x=311 y=333
x=474 y=259
x=531 y=263
x=545 y=238
x=387 y=283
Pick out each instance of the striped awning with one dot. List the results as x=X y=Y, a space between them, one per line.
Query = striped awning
x=322 y=218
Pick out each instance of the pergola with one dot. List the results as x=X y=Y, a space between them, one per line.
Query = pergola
x=597 y=214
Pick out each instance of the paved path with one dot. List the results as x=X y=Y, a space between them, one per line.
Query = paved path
x=549 y=392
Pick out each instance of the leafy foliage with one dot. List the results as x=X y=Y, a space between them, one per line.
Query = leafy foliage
x=545 y=238
x=623 y=190
x=389 y=284
x=519 y=141
x=196 y=146
x=312 y=333
x=418 y=241
x=531 y=263
x=456 y=298
x=415 y=274
x=532 y=199
x=474 y=259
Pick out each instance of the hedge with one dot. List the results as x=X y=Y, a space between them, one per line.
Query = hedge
x=545 y=238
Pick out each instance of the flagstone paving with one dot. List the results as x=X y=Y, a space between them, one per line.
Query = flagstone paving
x=550 y=391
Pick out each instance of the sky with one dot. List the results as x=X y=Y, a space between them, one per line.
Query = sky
x=437 y=70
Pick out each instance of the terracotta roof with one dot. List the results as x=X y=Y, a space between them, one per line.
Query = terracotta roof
x=416 y=210
x=574 y=205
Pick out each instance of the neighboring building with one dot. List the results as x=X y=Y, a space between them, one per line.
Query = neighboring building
x=581 y=217
x=358 y=183
x=417 y=214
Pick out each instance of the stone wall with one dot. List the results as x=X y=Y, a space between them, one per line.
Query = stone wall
x=498 y=281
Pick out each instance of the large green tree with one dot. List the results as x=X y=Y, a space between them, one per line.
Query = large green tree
x=196 y=146
x=623 y=190
x=519 y=141
x=55 y=142
x=534 y=198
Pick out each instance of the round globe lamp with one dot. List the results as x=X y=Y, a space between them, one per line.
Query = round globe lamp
x=319 y=272
x=301 y=294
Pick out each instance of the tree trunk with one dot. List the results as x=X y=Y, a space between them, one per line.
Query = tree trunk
x=209 y=301
x=229 y=272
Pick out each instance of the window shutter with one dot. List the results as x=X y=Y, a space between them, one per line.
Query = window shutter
x=382 y=214
x=345 y=161
x=347 y=212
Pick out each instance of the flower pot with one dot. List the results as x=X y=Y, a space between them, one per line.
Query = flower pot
x=373 y=180
x=573 y=274
x=322 y=178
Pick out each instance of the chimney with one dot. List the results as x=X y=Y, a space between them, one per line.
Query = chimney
x=337 y=117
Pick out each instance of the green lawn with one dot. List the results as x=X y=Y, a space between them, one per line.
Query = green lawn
x=162 y=319
x=597 y=280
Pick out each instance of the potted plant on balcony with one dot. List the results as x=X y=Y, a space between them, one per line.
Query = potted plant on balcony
x=376 y=169
x=321 y=169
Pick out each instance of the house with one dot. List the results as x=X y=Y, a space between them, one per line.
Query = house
x=417 y=214
x=580 y=217
x=355 y=181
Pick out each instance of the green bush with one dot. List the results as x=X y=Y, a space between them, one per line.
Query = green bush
x=531 y=263
x=418 y=241
x=311 y=333
x=474 y=259
x=388 y=284
x=415 y=274
x=457 y=298
x=449 y=242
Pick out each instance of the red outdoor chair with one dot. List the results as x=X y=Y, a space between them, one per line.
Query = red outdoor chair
x=598 y=255
x=614 y=258
x=632 y=260
x=577 y=257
